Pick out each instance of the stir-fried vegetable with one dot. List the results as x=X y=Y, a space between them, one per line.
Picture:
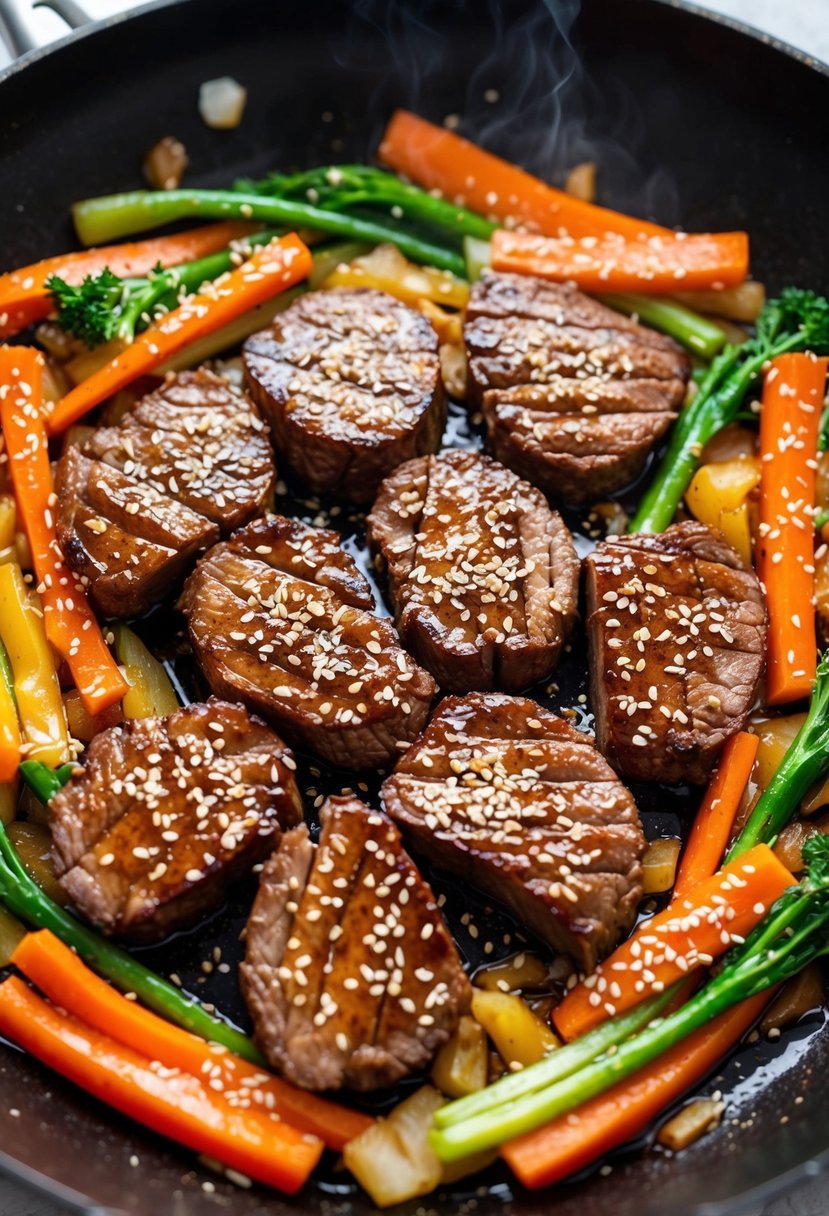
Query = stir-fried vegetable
x=71 y=625
x=460 y=1066
x=440 y=160
x=696 y=333
x=789 y=422
x=573 y=1140
x=24 y=294
x=689 y=934
x=105 y=307
x=803 y=764
x=654 y=264
x=121 y=214
x=796 y=321
x=718 y=496
x=791 y=935
x=271 y=270
x=386 y=269
x=36 y=688
x=175 y=1104
x=62 y=976
x=743 y=303
x=44 y=782
x=9 y=724
x=520 y=1037
x=151 y=695
x=24 y=898
x=715 y=818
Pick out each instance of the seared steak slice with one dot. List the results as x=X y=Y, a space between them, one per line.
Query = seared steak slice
x=512 y=798
x=280 y=618
x=350 y=384
x=677 y=633
x=574 y=395
x=137 y=502
x=483 y=576
x=350 y=975
x=166 y=812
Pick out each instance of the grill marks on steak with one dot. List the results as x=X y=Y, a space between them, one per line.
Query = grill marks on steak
x=137 y=502
x=483 y=576
x=280 y=617
x=677 y=635
x=574 y=395
x=350 y=975
x=350 y=384
x=510 y=797
x=166 y=811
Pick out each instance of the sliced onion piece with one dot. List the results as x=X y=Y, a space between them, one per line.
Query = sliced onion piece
x=222 y=103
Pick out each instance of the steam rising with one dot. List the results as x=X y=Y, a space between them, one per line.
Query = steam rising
x=530 y=98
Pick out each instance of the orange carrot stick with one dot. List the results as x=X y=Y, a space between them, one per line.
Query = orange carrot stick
x=172 y=1103
x=690 y=933
x=655 y=264
x=789 y=427
x=24 y=298
x=438 y=159
x=66 y=980
x=70 y=624
x=572 y=1141
x=715 y=818
x=272 y=268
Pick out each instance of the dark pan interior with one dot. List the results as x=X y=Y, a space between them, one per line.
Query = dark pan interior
x=693 y=123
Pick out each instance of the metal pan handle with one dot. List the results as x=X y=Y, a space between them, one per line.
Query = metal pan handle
x=18 y=31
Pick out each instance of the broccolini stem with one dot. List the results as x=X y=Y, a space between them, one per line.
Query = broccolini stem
x=717 y=403
x=100 y=220
x=804 y=763
x=44 y=782
x=22 y=896
x=698 y=335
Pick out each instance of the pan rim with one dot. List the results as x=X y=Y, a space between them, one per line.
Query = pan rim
x=748 y=1201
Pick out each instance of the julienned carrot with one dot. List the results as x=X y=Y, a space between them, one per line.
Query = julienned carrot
x=173 y=1103
x=65 y=979
x=792 y=403
x=690 y=933
x=715 y=818
x=573 y=1141
x=438 y=159
x=654 y=264
x=25 y=299
x=270 y=270
x=71 y=626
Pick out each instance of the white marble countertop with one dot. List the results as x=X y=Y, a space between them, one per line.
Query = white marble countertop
x=804 y=24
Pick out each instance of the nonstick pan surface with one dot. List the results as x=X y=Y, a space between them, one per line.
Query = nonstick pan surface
x=693 y=122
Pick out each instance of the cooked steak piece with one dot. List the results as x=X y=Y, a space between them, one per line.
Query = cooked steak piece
x=677 y=634
x=138 y=501
x=280 y=618
x=483 y=576
x=516 y=801
x=574 y=395
x=350 y=975
x=166 y=812
x=350 y=384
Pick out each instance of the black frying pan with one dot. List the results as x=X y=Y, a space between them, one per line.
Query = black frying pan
x=693 y=121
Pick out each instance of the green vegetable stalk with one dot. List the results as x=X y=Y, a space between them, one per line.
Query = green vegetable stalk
x=797 y=320
x=22 y=896
x=806 y=760
x=695 y=333
x=794 y=933
x=44 y=782
x=99 y=220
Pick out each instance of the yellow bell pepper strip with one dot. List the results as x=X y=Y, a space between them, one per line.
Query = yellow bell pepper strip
x=8 y=520
x=386 y=269
x=718 y=496
x=150 y=694
x=71 y=626
x=36 y=687
x=9 y=726
x=272 y=269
